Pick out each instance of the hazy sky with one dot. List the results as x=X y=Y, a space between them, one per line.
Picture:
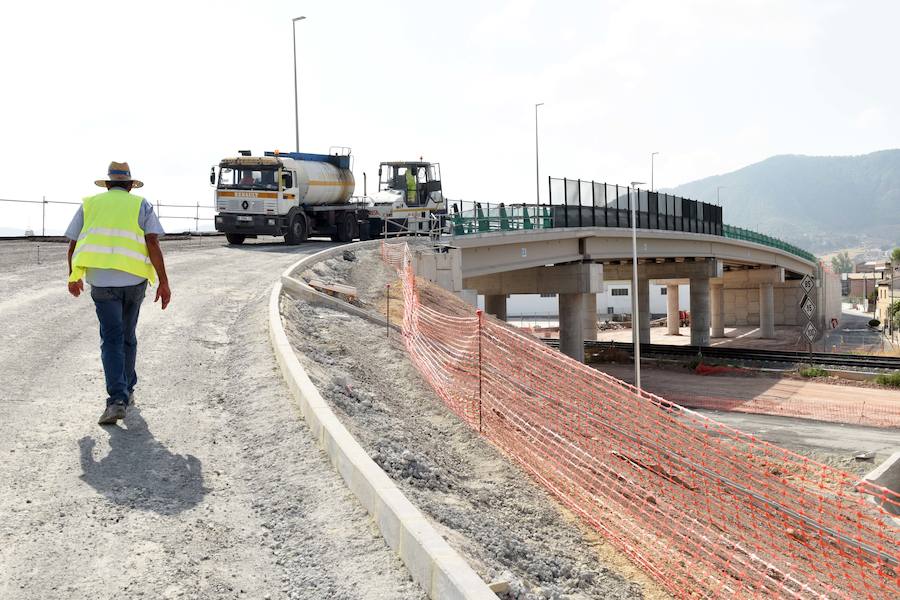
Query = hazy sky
x=172 y=87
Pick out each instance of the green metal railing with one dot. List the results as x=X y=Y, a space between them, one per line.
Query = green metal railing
x=483 y=218
x=494 y=217
x=738 y=233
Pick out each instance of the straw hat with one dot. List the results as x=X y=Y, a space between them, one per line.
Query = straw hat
x=121 y=173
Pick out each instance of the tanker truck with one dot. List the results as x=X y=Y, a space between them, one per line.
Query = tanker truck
x=290 y=194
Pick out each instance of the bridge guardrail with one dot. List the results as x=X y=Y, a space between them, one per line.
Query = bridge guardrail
x=738 y=233
x=581 y=203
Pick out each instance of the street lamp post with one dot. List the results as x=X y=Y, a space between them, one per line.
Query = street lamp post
x=537 y=160
x=296 y=102
x=652 y=156
x=635 y=317
x=719 y=187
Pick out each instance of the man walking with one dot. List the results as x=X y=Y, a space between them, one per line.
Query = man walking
x=114 y=246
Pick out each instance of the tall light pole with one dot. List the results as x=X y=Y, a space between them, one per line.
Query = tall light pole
x=537 y=159
x=719 y=187
x=296 y=103
x=652 y=156
x=635 y=317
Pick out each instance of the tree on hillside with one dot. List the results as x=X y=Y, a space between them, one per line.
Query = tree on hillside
x=895 y=256
x=841 y=263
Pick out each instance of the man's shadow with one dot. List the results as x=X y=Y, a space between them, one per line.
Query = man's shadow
x=139 y=472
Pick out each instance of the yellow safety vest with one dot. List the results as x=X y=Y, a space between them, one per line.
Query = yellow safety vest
x=410 y=181
x=111 y=237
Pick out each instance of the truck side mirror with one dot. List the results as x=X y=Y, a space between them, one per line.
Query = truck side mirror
x=212 y=176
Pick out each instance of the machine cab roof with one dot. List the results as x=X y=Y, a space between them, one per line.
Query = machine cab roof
x=392 y=175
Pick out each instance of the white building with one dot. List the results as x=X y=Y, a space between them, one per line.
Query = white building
x=615 y=299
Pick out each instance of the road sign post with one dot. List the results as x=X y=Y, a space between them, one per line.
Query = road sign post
x=810 y=331
x=808 y=283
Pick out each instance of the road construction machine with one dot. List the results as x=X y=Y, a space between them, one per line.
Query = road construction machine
x=409 y=198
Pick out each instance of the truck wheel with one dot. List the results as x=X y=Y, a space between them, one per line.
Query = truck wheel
x=297 y=231
x=343 y=229
x=235 y=239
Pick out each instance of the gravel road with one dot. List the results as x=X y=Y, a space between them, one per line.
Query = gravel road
x=213 y=487
x=504 y=524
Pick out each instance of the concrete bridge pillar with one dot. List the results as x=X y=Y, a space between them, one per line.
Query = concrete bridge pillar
x=571 y=324
x=717 y=315
x=700 y=311
x=766 y=311
x=572 y=282
x=590 y=317
x=643 y=298
x=495 y=304
x=672 y=320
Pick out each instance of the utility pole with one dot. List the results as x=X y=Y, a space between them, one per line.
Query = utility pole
x=719 y=203
x=652 y=156
x=537 y=159
x=635 y=317
x=296 y=102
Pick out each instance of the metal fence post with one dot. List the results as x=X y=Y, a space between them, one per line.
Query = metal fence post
x=480 y=314
x=43 y=216
x=593 y=203
x=580 y=216
x=550 y=191
x=628 y=207
x=566 y=202
x=387 y=312
x=605 y=207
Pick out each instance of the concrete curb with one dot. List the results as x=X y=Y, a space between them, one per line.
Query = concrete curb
x=886 y=475
x=433 y=564
x=308 y=293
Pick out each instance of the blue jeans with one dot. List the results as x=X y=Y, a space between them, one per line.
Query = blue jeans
x=117 y=310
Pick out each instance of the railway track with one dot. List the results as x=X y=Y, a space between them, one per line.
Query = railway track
x=766 y=356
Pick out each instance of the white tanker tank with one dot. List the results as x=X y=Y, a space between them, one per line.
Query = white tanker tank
x=321 y=182
x=292 y=194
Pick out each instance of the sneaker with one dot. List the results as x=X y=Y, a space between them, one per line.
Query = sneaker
x=113 y=413
x=130 y=399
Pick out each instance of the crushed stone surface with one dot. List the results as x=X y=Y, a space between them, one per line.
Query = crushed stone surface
x=502 y=522
x=212 y=488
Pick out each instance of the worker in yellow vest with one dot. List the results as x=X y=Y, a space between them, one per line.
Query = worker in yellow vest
x=410 y=185
x=114 y=246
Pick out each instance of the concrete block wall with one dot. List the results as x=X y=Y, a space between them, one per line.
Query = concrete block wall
x=831 y=297
x=742 y=305
x=442 y=268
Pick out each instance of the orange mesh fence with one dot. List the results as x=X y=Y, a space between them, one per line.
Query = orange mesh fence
x=708 y=511
x=883 y=411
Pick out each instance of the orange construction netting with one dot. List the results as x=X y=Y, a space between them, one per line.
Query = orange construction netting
x=708 y=511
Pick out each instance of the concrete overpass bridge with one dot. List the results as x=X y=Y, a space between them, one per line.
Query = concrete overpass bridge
x=736 y=277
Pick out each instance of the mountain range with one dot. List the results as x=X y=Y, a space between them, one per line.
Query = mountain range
x=821 y=203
